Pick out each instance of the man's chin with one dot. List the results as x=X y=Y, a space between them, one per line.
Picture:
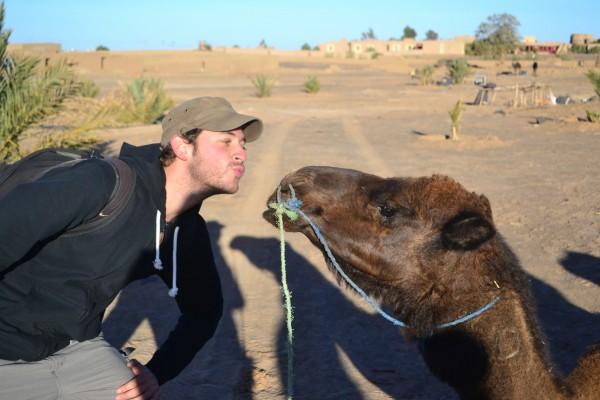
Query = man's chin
x=231 y=189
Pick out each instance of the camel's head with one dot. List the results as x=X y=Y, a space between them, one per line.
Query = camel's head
x=414 y=243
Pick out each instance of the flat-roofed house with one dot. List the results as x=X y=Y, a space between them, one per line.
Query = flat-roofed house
x=335 y=48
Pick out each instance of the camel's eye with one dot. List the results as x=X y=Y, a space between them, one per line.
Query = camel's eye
x=386 y=211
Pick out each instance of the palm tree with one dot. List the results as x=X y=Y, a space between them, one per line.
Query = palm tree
x=455 y=115
x=27 y=93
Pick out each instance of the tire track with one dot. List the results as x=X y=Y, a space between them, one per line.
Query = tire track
x=352 y=129
x=261 y=294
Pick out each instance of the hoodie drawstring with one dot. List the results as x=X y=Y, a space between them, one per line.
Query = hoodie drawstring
x=174 y=289
x=157 y=263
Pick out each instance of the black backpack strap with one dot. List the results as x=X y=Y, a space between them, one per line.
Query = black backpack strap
x=117 y=202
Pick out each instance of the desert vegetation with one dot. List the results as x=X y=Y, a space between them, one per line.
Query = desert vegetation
x=312 y=85
x=369 y=34
x=28 y=93
x=581 y=49
x=455 y=115
x=458 y=70
x=495 y=37
x=431 y=35
x=88 y=88
x=409 y=33
x=592 y=116
x=31 y=93
x=594 y=78
x=263 y=85
x=142 y=100
x=425 y=74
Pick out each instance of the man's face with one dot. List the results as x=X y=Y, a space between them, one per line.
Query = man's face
x=217 y=163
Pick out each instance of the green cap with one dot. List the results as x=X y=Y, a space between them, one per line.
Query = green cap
x=210 y=113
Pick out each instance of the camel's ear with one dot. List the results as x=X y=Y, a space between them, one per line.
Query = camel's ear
x=467 y=231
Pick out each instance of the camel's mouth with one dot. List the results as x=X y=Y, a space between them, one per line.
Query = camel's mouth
x=271 y=217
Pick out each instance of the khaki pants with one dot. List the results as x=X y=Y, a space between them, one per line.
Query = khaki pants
x=90 y=370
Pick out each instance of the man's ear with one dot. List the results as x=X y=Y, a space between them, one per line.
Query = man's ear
x=181 y=148
x=467 y=231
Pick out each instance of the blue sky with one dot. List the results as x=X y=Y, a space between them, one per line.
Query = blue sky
x=181 y=24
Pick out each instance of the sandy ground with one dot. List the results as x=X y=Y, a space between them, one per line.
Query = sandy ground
x=542 y=181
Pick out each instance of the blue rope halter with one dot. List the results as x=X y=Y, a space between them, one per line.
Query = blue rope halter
x=293 y=205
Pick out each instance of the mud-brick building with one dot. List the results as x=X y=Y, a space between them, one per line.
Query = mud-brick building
x=405 y=47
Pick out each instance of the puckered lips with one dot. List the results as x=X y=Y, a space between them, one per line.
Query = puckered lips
x=238 y=170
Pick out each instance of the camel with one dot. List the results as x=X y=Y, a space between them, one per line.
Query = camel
x=428 y=250
x=516 y=68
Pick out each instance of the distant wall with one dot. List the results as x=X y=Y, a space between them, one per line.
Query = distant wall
x=168 y=63
x=406 y=47
x=37 y=49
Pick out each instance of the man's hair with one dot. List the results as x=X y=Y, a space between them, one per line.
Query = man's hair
x=167 y=155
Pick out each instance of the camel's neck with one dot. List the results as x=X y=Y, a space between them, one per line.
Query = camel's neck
x=499 y=355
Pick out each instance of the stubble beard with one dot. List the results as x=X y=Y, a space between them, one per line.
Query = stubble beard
x=209 y=183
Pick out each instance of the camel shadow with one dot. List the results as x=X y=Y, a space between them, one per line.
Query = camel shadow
x=333 y=336
x=569 y=328
x=223 y=357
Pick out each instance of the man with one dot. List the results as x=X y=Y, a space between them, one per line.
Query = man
x=55 y=286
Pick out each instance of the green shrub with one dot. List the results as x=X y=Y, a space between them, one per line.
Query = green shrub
x=77 y=138
x=458 y=70
x=88 y=88
x=375 y=55
x=312 y=85
x=102 y=48
x=425 y=74
x=143 y=100
x=594 y=78
x=263 y=85
x=455 y=115
x=583 y=49
x=305 y=46
x=482 y=48
x=592 y=116
x=373 y=52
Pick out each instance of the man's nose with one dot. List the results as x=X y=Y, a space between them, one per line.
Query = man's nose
x=240 y=155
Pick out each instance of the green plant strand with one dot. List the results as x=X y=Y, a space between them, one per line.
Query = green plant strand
x=279 y=212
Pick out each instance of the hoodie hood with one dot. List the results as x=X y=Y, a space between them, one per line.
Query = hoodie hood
x=145 y=160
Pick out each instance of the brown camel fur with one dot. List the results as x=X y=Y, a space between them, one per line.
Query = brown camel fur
x=428 y=250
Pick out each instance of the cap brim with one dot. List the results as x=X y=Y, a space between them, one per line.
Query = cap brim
x=227 y=121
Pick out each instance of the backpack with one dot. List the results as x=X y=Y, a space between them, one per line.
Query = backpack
x=37 y=164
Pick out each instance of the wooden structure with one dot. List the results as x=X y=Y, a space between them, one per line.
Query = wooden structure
x=533 y=95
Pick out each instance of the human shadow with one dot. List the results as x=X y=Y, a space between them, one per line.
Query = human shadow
x=222 y=358
x=583 y=265
x=570 y=329
x=332 y=336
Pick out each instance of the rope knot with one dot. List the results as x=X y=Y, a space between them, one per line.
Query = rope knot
x=289 y=207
